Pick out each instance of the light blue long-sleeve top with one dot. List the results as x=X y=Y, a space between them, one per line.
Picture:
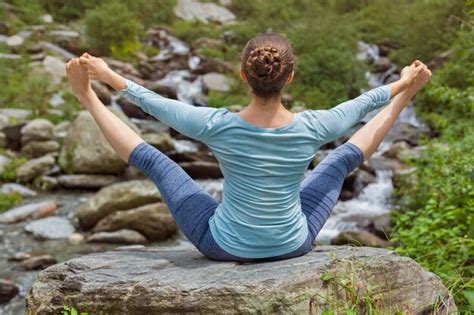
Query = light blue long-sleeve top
x=260 y=213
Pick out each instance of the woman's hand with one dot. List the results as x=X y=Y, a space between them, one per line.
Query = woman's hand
x=78 y=80
x=410 y=74
x=97 y=69
x=418 y=74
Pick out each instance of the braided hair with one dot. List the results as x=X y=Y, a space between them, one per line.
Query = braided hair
x=267 y=61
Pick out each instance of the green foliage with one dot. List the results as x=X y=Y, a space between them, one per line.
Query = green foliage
x=422 y=29
x=191 y=30
x=23 y=88
x=8 y=201
x=112 y=28
x=65 y=10
x=148 y=12
x=9 y=171
x=69 y=310
x=28 y=11
x=221 y=99
x=450 y=96
x=436 y=224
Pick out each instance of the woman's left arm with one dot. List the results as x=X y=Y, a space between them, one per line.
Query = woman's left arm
x=192 y=121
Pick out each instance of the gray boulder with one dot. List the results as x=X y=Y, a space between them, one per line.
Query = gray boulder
x=29 y=211
x=86 y=181
x=140 y=280
x=85 y=149
x=15 y=40
x=10 y=188
x=162 y=141
x=50 y=228
x=37 y=129
x=120 y=196
x=216 y=82
x=359 y=238
x=204 y=12
x=34 y=168
x=55 y=68
x=123 y=236
x=39 y=148
x=153 y=220
x=37 y=262
x=8 y=290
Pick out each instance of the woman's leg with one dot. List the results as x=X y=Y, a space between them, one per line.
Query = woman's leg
x=189 y=204
x=321 y=188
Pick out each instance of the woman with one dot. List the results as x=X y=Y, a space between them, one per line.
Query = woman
x=267 y=212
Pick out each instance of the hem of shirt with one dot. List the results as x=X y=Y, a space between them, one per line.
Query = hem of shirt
x=239 y=254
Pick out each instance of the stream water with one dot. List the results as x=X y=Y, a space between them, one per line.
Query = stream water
x=373 y=201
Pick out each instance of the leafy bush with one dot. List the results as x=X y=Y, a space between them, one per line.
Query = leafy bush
x=9 y=170
x=436 y=222
x=8 y=201
x=423 y=29
x=22 y=88
x=112 y=28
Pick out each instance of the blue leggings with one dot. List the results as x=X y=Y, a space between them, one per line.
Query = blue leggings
x=192 y=207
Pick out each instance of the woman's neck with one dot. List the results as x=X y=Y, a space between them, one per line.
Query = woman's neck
x=266 y=112
x=265 y=106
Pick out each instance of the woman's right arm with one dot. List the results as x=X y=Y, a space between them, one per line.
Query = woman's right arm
x=333 y=123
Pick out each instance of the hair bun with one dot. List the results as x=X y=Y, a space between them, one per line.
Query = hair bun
x=263 y=61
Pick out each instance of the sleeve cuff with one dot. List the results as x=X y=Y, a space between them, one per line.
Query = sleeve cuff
x=383 y=95
x=128 y=83
x=387 y=91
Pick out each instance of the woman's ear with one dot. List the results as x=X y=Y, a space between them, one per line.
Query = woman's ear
x=242 y=75
x=290 y=77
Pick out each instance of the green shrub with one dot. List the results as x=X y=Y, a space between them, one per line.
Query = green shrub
x=8 y=201
x=436 y=222
x=23 y=89
x=112 y=28
x=9 y=170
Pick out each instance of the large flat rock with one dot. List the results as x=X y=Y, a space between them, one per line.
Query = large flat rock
x=140 y=280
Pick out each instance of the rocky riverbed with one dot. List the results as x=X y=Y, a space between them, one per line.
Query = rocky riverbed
x=78 y=197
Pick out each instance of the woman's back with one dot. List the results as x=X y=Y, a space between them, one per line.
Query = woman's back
x=260 y=214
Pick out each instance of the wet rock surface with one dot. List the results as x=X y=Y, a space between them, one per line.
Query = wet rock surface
x=50 y=228
x=86 y=150
x=123 y=236
x=152 y=220
x=8 y=290
x=29 y=211
x=120 y=196
x=139 y=280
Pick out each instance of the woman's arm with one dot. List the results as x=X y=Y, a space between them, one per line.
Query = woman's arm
x=333 y=123
x=120 y=136
x=369 y=137
x=192 y=121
